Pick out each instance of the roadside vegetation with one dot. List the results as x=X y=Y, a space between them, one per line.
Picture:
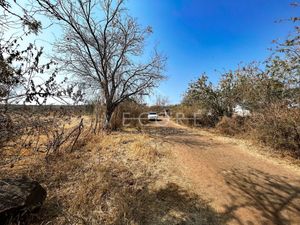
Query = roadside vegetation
x=260 y=100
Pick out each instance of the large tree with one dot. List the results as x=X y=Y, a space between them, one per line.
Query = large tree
x=104 y=46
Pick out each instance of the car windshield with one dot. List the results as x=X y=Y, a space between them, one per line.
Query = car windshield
x=152 y=113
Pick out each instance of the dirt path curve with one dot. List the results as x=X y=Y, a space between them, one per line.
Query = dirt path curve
x=242 y=186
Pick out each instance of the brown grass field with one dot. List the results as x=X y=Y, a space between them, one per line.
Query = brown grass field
x=163 y=173
x=122 y=178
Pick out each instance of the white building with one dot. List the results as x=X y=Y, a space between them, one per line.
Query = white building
x=240 y=111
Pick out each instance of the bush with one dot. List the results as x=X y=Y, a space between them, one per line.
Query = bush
x=279 y=127
x=232 y=126
x=193 y=116
x=204 y=120
x=131 y=111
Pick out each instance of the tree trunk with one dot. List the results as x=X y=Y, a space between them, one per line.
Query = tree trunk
x=107 y=118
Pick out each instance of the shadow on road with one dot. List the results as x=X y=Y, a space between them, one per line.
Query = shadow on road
x=277 y=200
x=174 y=205
x=164 y=131
x=130 y=200
x=176 y=135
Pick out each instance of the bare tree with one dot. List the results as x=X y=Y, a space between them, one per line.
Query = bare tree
x=104 y=47
x=162 y=100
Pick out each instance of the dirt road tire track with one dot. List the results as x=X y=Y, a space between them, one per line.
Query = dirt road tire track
x=244 y=188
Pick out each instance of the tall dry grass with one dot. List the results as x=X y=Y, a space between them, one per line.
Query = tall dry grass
x=232 y=126
x=279 y=127
x=129 y=114
x=119 y=178
x=193 y=116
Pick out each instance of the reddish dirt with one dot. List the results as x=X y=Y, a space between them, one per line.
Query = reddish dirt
x=242 y=186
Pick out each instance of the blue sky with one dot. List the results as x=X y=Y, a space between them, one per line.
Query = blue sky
x=205 y=36
x=210 y=35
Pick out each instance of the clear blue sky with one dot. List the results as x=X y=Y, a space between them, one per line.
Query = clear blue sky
x=207 y=35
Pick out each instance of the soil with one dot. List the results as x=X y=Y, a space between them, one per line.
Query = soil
x=243 y=186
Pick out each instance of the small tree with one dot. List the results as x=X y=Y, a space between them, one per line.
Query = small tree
x=254 y=88
x=19 y=65
x=162 y=101
x=104 y=46
x=284 y=65
x=205 y=95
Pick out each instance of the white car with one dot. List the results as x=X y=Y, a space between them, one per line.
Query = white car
x=152 y=116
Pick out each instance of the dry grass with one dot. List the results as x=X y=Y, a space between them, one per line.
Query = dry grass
x=232 y=126
x=122 y=178
x=33 y=135
x=192 y=116
x=278 y=127
x=128 y=114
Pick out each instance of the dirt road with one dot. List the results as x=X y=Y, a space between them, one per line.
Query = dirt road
x=242 y=186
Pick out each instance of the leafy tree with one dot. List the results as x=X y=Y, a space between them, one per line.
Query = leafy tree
x=228 y=92
x=203 y=94
x=255 y=89
x=248 y=86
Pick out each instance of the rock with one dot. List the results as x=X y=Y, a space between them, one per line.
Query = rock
x=19 y=198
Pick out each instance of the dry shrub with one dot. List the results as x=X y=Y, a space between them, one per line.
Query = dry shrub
x=127 y=114
x=232 y=126
x=279 y=127
x=205 y=120
x=131 y=112
x=35 y=130
x=193 y=116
